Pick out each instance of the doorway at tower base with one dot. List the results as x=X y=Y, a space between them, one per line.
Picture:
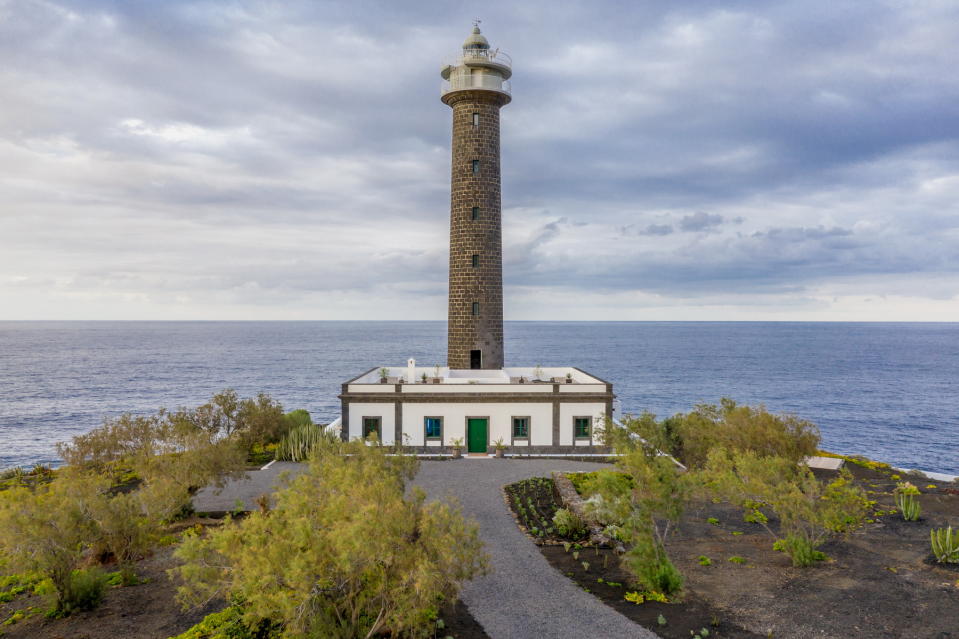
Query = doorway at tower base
x=526 y=410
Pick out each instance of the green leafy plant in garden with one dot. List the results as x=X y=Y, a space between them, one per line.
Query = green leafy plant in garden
x=945 y=545
x=358 y=555
x=569 y=524
x=907 y=501
x=736 y=559
x=705 y=561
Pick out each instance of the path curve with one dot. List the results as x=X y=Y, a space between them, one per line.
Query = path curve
x=523 y=597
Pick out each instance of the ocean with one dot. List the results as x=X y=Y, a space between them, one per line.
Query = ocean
x=889 y=391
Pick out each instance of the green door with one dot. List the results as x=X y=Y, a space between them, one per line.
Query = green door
x=476 y=435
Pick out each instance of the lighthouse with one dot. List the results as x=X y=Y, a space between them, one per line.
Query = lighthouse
x=476 y=86
x=475 y=404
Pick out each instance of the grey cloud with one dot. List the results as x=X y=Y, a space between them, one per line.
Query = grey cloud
x=657 y=229
x=700 y=221
x=308 y=139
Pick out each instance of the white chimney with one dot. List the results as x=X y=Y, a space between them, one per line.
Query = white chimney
x=411 y=371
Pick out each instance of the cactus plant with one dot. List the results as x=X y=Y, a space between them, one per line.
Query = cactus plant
x=945 y=545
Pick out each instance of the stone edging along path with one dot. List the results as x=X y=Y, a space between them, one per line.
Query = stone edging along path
x=523 y=597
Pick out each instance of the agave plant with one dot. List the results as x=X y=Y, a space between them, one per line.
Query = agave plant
x=945 y=545
x=907 y=502
x=299 y=443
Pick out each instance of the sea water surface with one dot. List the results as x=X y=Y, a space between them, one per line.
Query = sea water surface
x=886 y=390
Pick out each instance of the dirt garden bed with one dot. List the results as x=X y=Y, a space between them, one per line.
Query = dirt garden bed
x=879 y=582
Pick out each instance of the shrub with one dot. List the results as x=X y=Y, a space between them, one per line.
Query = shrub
x=945 y=545
x=227 y=624
x=85 y=590
x=647 y=561
x=689 y=437
x=569 y=524
x=907 y=502
x=357 y=556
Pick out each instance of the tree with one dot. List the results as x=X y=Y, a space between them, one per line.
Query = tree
x=47 y=529
x=261 y=421
x=346 y=552
x=654 y=503
x=809 y=511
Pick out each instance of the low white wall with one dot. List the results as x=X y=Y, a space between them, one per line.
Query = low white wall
x=385 y=411
x=460 y=387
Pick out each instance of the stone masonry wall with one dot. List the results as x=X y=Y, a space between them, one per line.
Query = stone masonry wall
x=482 y=237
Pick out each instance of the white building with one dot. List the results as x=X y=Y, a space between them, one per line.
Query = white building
x=532 y=411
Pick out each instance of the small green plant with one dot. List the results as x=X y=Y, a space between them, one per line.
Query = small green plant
x=713 y=521
x=384 y=374
x=799 y=549
x=585 y=565
x=567 y=546
x=945 y=545
x=569 y=524
x=702 y=634
x=736 y=533
x=906 y=501
x=705 y=561
x=661 y=620
x=575 y=555
x=736 y=559
x=86 y=588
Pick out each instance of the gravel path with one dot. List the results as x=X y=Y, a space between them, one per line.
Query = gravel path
x=245 y=489
x=523 y=597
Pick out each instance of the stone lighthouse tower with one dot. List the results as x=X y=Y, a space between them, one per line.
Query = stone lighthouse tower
x=475 y=86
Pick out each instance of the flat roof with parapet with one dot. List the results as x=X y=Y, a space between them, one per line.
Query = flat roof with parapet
x=508 y=375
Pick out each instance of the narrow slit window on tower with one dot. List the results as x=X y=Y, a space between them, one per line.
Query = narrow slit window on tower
x=475 y=167
x=474 y=214
x=475 y=308
x=475 y=261
x=476 y=119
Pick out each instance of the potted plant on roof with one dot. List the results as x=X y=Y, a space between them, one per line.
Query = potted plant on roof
x=436 y=374
x=538 y=373
x=384 y=375
x=569 y=378
x=457 y=445
x=423 y=378
x=500 y=447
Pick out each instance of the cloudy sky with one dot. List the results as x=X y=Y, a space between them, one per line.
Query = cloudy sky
x=661 y=160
